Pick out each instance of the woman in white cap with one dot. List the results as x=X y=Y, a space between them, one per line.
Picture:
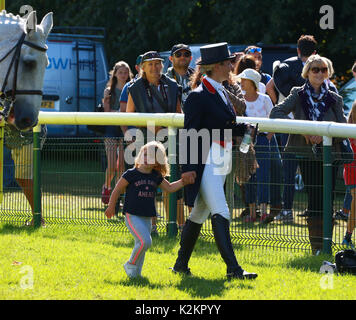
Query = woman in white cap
x=258 y=105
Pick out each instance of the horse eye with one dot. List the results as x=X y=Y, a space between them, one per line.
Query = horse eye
x=29 y=63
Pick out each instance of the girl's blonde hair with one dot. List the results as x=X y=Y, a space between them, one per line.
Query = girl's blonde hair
x=154 y=149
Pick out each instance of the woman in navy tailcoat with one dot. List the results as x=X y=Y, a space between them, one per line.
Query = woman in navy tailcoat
x=209 y=125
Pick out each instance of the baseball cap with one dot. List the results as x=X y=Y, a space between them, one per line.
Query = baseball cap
x=139 y=59
x=178 y=47
x=151 y=55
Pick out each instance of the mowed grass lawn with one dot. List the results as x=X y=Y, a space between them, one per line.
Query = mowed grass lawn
x=81 y=263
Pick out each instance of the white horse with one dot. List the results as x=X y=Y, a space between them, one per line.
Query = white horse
x=23 y=61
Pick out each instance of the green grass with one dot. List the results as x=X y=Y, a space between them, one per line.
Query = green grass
x=86 y=263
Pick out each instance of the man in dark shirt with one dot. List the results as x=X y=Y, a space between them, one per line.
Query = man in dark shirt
x=181 y=56
x=288 y=74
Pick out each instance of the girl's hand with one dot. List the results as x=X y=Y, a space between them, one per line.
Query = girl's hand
x=109 y=212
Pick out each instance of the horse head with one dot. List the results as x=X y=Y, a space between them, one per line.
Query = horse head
x=23 y=61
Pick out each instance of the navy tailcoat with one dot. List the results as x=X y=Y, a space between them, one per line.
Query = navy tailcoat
x=205 y=109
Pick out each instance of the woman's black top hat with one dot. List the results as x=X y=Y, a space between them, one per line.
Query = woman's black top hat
x=214 y=53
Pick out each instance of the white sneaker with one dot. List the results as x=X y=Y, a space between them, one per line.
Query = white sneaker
x=285 y=215
x=131 y=270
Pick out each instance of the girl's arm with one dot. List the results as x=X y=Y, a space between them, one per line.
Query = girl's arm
x=171 y=187
x=119 y=188
x=187 y=178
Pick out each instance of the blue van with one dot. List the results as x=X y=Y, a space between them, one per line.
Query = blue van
x=74 y=81
x=76 y=76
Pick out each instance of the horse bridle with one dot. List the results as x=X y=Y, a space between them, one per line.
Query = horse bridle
x=7 y=98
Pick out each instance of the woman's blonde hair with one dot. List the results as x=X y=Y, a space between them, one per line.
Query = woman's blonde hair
x=154 y=149
x=330 y=67
x=314 y=58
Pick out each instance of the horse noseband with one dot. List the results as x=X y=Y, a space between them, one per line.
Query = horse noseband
x=8 y=98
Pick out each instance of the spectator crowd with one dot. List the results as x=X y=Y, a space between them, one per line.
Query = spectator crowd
x=299 y=88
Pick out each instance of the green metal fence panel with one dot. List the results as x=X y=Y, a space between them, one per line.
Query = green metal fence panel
x=73 y=173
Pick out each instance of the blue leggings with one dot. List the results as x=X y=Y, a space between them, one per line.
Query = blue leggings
x=140 y=228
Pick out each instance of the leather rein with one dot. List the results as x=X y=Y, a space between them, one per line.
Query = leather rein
x=7 y=98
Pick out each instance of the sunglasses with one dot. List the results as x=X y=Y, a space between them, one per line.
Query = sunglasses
x=317 y=70
x=186 y=54
x=253 y=50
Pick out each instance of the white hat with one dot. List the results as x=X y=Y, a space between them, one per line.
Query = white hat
x=252 y=75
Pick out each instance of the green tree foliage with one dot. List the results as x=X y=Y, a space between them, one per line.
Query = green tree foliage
x=136 y=26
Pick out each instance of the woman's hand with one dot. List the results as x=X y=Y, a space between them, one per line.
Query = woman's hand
x=313 y=139
x=188 y=177
x=270 y=135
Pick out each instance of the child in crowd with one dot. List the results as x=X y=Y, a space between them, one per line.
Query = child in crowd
x=140 y=184
x=350 y=182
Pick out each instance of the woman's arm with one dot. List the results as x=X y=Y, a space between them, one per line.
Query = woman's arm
x=178 y=107
x=130 y=107
x=120 y=187
x=271 y=91
x=123 y=109
x=288 y=105
x=106 y=100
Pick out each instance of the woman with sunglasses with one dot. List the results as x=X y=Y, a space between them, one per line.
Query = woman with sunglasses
x=313 y=101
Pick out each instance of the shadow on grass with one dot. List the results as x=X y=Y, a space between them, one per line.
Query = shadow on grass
x=135 y=282
x=16 y=229
x=309 y=263
x=204 y=288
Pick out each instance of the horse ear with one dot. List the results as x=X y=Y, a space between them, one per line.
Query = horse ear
x=47 y=23
x=31 y=22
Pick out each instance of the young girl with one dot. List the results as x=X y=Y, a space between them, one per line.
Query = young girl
x=119 y=76
x=350 y=182
x=140 y=184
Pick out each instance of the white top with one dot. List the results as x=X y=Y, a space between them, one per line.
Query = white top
x=261 y=87
x=259 y=108
x=218 y=87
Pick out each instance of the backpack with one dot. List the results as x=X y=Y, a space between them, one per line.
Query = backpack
x=345 y=261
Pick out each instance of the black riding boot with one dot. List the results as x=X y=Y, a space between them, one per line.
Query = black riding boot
x=190 y=234
x=221 y=229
